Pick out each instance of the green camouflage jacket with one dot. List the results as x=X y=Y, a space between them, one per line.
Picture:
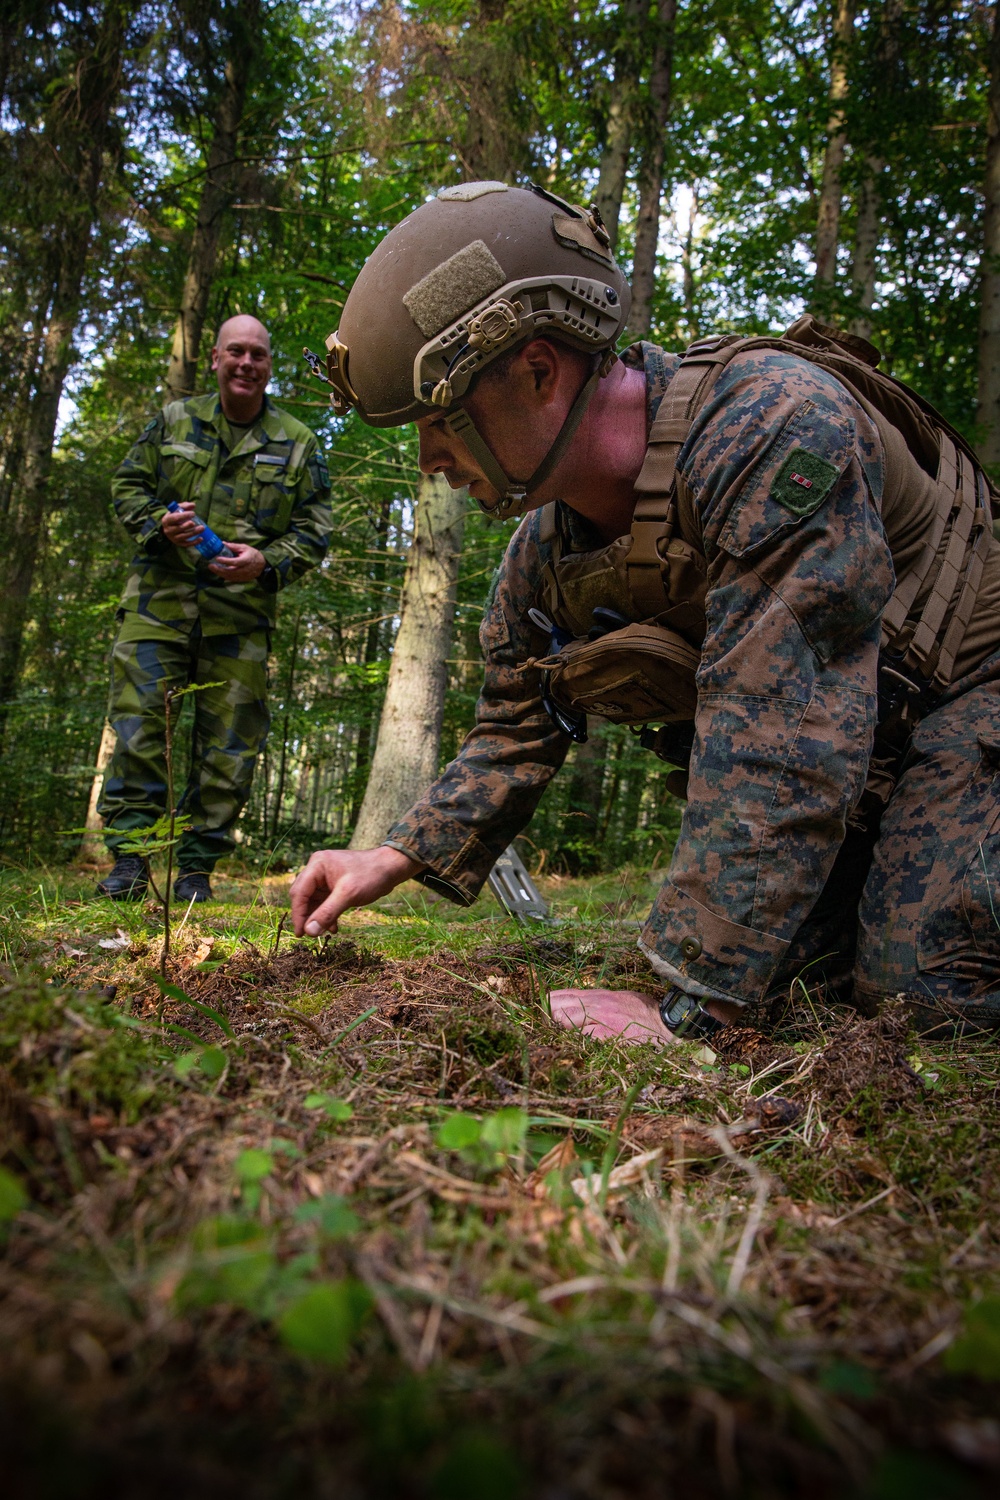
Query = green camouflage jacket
x=267 y=487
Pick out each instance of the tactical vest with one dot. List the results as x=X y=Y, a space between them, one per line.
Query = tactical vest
x=655 y=577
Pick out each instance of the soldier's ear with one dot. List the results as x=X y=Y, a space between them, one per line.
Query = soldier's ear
x=215 y=356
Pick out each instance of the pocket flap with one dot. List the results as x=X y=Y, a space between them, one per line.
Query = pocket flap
x=189 y=451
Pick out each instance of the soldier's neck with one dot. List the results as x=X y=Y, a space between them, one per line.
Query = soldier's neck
x=241 y=413
x=598 y=476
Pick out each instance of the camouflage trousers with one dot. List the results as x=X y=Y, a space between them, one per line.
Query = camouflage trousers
x=231 y=721
x=912 y=906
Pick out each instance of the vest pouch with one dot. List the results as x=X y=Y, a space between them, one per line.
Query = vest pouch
x=629 y=676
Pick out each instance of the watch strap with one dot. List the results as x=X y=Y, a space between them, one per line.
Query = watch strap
x=685 y=1016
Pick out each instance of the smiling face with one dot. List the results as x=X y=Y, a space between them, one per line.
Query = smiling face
x=241 y=360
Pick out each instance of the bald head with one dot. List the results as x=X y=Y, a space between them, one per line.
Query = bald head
x=241 y=360
x=243 y=326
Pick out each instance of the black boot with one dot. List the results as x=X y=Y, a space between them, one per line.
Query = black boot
x=192 y=885
x=127 y=881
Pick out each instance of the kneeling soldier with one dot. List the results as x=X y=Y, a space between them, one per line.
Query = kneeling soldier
x=772 y=559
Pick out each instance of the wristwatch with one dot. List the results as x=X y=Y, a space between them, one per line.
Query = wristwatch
x=685 y=1016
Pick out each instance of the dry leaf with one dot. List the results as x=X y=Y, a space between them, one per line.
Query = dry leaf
x=122 y=940
x=625 y=1176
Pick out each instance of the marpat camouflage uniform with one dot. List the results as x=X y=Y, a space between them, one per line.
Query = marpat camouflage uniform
x=780 y=861
x=266 y=486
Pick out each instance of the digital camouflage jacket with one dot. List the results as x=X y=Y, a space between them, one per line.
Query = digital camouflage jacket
x=267 y=486
x=786 y=700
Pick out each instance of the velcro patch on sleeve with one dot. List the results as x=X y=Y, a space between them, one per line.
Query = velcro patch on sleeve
x=803 y=482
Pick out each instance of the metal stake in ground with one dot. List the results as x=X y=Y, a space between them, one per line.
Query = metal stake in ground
x=515 y=890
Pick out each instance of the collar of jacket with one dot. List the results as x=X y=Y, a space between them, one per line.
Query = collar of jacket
x=269 y=426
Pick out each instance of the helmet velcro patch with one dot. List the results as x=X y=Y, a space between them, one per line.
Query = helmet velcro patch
x=467 y=192
x=454 y=286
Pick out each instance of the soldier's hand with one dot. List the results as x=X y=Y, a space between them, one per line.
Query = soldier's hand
x=336 y=879
x=182 y=527
x=245 y=564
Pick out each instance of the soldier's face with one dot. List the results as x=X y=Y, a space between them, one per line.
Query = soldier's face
x=242 y=364
x=519 y=417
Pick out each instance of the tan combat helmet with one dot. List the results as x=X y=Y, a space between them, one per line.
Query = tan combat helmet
x=463 y=279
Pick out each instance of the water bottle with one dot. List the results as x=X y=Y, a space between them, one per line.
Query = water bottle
x=208 y=544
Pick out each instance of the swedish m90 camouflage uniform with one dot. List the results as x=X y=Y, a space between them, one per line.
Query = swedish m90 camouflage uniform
x=783 y=860
x=266 y=486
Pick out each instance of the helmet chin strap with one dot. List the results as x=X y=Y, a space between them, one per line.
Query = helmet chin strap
x=514 y=492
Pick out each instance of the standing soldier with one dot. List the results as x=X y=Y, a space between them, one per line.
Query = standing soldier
x=235 y=463
x=772 y=560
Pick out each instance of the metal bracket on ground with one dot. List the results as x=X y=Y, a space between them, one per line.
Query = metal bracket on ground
x=515 y=890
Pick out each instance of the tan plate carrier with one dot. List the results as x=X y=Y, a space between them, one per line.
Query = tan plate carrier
x=645 y=671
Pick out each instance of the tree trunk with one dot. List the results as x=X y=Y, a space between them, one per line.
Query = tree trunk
x=687 y=262
x=864 y=263
x=647 y=231
x=92 y=844
x=80 y=131
x=614 y=163
x=279 y=791
x=373 y=641
x=613 y=170
x=216 y=196
x=409 y=737
x=26 y=520
x=583 y=848
x=866 y=238
x=828 y=212
x=988 y=394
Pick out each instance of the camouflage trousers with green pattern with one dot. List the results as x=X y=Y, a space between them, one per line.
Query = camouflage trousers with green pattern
x=231 y=722
x=912 y=906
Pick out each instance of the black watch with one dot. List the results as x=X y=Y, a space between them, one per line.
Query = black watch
x=685 y=1016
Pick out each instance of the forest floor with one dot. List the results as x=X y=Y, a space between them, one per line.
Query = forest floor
x=352 y=1219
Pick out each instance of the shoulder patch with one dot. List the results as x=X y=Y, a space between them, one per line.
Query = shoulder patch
x=803 y=482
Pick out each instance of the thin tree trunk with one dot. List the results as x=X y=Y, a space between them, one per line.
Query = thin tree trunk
x=373 y=638
x=584 y=852
x=866 y=238
x=279 y=793
x=79 y=126
x=409 y=737
x=988 y=394
x=26 y=519
x=864 y=262
x=613 y=170
x=614 y=162
x=216 y=196
x=92 y=844
x=647 y=231
x=828 y=212
x=687 y=263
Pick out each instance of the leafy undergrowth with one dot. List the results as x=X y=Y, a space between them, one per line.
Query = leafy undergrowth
x=353 y=1219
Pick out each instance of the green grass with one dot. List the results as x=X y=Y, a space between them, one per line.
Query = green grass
x=341 y=1219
